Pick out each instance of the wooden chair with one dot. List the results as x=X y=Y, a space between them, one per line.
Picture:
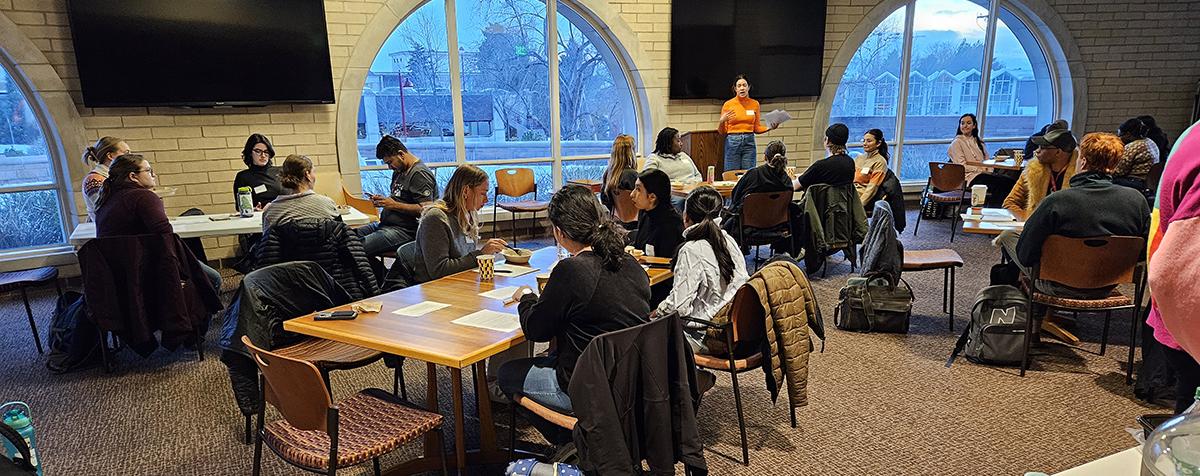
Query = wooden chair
x=745 y=329
x=1088 y=263
x=763 y=212
x=623 y=208
x=562 y=420
x=732 y=175
x=944 y=259
x=361 y=204
x=516 y=182
x=317 y=435
x=951 y=179
x=23 y=280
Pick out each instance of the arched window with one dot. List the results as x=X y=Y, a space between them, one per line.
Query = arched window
x=503 y=59
x=948 y=74
x=30 y=201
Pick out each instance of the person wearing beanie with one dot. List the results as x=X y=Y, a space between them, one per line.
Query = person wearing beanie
x=838 y=168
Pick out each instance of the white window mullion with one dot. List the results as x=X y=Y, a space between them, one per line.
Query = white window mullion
x=910 y=14
x=456 y=101
x=985 y=77
x=555 y=114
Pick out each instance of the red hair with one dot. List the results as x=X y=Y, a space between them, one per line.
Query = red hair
x=1101 y=151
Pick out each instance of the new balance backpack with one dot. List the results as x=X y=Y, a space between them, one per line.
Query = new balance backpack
x=996 y=333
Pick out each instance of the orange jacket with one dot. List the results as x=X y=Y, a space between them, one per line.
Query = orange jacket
x=745 y=117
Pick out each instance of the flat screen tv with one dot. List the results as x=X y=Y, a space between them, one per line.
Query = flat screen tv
x=201 y=53
x=778 y=44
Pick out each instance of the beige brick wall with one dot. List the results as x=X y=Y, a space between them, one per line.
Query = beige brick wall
x=1142 y=58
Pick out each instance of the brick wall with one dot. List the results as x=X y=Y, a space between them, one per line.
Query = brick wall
x=1142 y=58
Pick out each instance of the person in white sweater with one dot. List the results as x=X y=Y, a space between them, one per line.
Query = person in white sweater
x=669 y=157
x=708 y=269
x=969 y=147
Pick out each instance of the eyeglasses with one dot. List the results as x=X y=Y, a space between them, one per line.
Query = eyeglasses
x=262 y=152
x=150 y=170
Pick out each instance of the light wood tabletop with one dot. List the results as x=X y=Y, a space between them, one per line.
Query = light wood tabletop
x=681 y=190
x=1005 y=164
x=992 y=221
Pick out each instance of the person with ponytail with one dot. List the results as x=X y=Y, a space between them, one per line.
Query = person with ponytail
x=770 y=176
x=708 y=269
x=102 y=154
x=621 y=173
x=448 y=232
x=870 y=167
x=598 y=289
x=296 y=174
x=660 y=228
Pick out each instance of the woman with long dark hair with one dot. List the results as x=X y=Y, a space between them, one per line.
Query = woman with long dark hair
x=708 y=268
x=102 y=154
x=669 y=157
x=1140 y=151
x=598 y=289
x=660 y=228
x=261 y=175
x=870 y=167
x=969 y=147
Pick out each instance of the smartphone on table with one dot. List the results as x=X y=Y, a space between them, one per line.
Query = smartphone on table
x=334 y=315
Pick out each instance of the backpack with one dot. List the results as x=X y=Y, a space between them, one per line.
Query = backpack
x=533 y=467
x=872 y=305
x=996 y=333
x=74 y=340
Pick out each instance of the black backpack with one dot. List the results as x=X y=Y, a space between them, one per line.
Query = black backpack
x=870 y=304
x=996 y=333
x=74 y=340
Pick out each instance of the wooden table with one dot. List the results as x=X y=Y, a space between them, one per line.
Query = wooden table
x=594 y=185
x=1008 y=164
x=1124 y=462
x=200 y=226
x=726 y=191
x=1004 y=220
x=434 y=339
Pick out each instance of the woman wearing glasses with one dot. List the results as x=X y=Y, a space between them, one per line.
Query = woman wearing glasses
x=260 y=175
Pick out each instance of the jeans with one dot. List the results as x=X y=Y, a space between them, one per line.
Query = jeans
x=536 y=379
x=739 y=151
x=213 y=276
x=379 y=238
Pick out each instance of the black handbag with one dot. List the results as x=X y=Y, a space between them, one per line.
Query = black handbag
x=874 y=305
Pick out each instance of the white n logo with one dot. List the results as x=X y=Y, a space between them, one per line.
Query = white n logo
x=1004 y=316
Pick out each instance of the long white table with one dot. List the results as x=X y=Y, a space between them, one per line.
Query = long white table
x=1127 y=462
x=200 y=226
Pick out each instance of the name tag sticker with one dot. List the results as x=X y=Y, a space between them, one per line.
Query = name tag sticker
x=260 y=189
x=750 y=112
x=866 y=170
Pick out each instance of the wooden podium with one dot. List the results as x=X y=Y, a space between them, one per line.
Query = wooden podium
x=705 y=148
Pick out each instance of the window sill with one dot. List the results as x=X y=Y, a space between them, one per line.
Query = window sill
x=61 y=255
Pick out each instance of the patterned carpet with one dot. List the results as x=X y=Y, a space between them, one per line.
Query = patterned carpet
x=878 y=404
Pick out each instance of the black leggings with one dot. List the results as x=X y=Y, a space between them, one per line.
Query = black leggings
x=1187 y=377
x=998 y=187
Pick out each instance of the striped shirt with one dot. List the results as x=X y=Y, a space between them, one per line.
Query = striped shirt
x=307 y=204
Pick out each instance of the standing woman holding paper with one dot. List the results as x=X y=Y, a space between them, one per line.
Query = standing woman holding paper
x=740 y=121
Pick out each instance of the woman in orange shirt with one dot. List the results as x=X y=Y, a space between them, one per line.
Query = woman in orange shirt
x=739 y=122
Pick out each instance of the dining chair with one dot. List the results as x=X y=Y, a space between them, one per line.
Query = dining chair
x=1088 y=263
x=22 y=280
x=732 y=175
x=516 y=182
x=623 y=208
x=361 y=204
x=950 y=179
x=767 y=217
x=944 y=259
x=319 y=435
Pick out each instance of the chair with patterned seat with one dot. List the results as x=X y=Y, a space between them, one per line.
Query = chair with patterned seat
x=22 y=280
x=947 y=185
x=317 y=435
x=1089 y=263
x=517 y=182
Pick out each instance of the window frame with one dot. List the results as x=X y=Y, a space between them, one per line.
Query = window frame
x=573 y=13
x=1015 y=16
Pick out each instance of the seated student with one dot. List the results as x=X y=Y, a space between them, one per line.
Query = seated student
x=1092 y=206
x=449 y=229
x=708 y=267
x=1031 y=148
x=296 y=174
x=669 y=157
x=621 y=174
x=660 y=228
x=598 y=289
x=414 y=187
x=771 y=176
x=1051 y=172
x=1140 y=153
x=102 y=154
x=838 y=168
x=870 y=167
x=128 y=205
x=260 y=175
x=968 y=147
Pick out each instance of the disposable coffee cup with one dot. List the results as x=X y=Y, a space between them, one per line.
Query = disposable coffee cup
x=487 y=266
x=978 y=195
x=542 y=279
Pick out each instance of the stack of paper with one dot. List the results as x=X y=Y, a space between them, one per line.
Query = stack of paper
x=485 y=319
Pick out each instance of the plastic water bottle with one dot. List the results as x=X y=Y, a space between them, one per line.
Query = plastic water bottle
x=245 y=202
x=19 y=420
x=712 y=174
x=1173 y=449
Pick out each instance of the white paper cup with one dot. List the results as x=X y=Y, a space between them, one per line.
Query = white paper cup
x=978 y=195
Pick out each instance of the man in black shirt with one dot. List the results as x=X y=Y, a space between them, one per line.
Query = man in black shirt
x=413 y=188
x=838 y=168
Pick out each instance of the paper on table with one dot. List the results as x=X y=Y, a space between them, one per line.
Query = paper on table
x=511 y=270
x=421 y=309
x=776 y=117
x=496 y=321
x=502 y=294
x=987 y=217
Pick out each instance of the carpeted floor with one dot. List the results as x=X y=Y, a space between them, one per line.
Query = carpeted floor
x=878 y=404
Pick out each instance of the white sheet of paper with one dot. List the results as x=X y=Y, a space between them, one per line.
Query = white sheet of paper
x=775 y=117
x=513 y=270
x=421 y=309
x=649 y=250
x=496 y=321
x=503 y=294
x=987 y=217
